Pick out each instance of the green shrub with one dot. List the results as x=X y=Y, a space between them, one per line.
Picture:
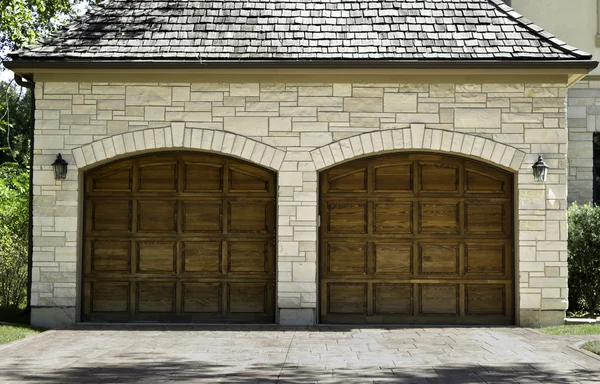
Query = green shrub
x=14 y=218
x=584 y=257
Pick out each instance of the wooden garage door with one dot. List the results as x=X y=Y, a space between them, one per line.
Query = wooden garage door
x=179 y=238
x=416 y=238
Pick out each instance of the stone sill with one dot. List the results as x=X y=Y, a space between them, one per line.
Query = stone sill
x=577 y=321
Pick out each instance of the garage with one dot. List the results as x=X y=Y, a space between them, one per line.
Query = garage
x=416 y=238
x=179 y=237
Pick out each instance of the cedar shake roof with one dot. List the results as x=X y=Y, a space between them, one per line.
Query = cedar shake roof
x=300 y=30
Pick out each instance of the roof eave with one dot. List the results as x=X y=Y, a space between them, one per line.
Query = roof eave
x=369 y=63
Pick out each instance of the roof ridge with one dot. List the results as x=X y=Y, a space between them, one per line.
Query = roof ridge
x=539 y=31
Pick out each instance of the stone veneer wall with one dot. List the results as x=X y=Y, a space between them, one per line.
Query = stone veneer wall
x=583 y=115
x=298 y=129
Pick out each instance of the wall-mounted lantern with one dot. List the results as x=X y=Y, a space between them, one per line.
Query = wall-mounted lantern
x=540 y=170
x=60 y=168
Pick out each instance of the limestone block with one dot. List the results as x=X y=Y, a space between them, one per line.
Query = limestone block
x=246 y=89
x=400 y=102
x=146 y=95
x=477 y=118
x=290 y=179
x=315 y=139
x=61 y=88
x=363 y=104
x=288 y=248
x=321 y=101
x=342 y=89
x=526 y=118
x=546 y=135
x=304 y=316
x=247 y=126
x=304 y=272
x=181 y=93
x=530 y=300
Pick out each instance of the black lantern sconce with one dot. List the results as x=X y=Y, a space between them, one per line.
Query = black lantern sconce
x=540 y=170
x=60 y=168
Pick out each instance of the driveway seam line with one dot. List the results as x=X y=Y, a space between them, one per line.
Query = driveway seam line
x=287 y=353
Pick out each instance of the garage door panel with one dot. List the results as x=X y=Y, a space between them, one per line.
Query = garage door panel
x=485 y=299
x=427 y=240
x=436 y=177
x=110 y=215
x=247 y=179
x=202 y=216
x=155 y=297
x=347 y=258
x=347 y=179
x=478 y=180
x=115 y=180
x=202 y=177
x=110 y=256
x=179 y=237
x=109 y=297
x=396 y=178
x=248 y=257
x=156 y=256
x=157 y=177
x=439 y=258
x=157 y=216
x=347 y=298
x=202 y=257
x=486 y=258
x=347 y=217
x=439 y=299
x=393 y=258
x=202 y=298
x=248 y=297
x=249 y=216
x=486 y=217
x=439 y=218
x=393 y=299
x=393 y=218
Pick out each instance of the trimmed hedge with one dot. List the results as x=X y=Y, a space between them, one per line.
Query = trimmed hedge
x=584 y=258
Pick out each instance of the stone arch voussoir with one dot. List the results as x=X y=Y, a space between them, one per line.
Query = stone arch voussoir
x=418 y=137
x=177 y=136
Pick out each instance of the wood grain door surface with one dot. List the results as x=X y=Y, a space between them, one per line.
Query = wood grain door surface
x=179 y=237
x=416 y=238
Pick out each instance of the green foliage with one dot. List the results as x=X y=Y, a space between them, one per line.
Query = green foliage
x=14 y=219
x=23 y=21
x=584 y=257
x=15 y=124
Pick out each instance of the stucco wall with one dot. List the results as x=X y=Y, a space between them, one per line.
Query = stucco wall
x=298 y=129
x=575 y=21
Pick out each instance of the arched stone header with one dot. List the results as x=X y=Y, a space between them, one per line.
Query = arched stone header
x=417 y=136
x=176 y=137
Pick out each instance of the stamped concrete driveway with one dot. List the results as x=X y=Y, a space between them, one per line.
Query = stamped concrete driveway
x=143 y=354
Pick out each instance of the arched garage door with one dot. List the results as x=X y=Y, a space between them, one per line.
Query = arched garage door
x=416 y=238
x=179 y=237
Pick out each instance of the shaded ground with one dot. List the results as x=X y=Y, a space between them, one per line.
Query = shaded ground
x=139 y=354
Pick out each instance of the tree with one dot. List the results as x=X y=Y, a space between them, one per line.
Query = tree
x=14 y=219
x=15 y=124
x=23 y=21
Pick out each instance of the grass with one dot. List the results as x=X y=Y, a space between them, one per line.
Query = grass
x=10 y=333
x=569 y=330
x=16 y=325
x=592 y=346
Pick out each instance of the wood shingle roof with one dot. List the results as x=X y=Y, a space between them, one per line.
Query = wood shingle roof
x=300 y=30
